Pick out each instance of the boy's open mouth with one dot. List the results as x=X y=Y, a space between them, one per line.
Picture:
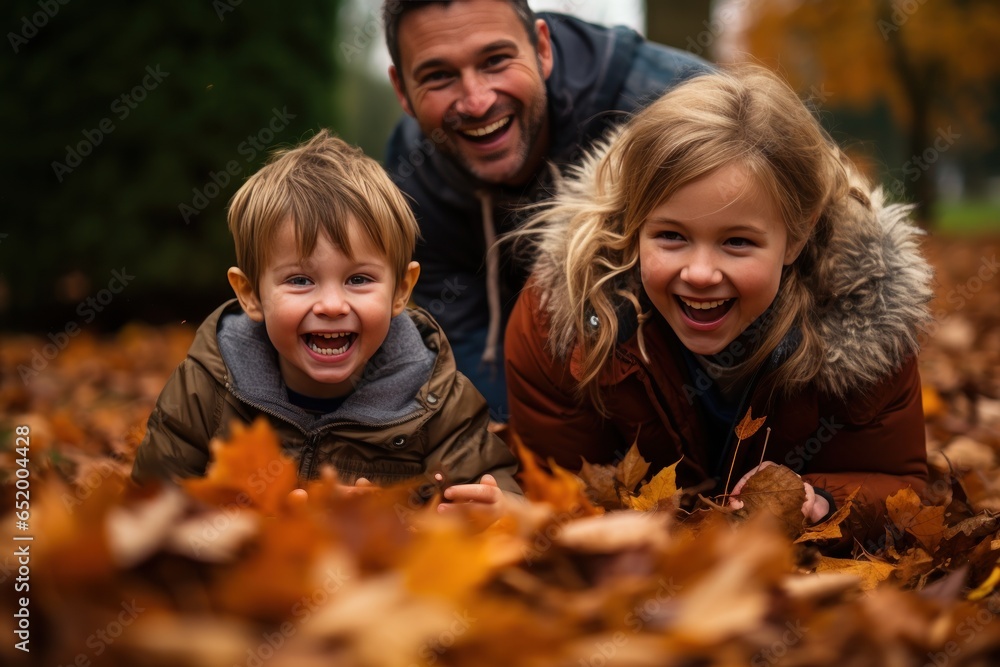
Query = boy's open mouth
x=330 y=344
x=705 y=311
x=484 y=135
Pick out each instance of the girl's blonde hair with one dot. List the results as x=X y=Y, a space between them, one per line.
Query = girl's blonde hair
x=744 y=114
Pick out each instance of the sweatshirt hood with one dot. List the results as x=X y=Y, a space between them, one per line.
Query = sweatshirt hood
x=869 y=322
x=244 y=359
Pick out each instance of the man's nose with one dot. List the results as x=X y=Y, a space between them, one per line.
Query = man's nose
x=477 y=96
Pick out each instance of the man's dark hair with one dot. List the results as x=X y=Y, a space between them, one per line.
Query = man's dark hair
x=394 y=10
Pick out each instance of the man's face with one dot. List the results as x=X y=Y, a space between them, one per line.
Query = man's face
x=469 y=75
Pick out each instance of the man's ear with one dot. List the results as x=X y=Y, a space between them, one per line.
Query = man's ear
x=246 y=294
x=405 y=287
x=544 y=47
x=400 y=89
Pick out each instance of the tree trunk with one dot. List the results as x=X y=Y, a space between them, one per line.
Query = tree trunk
x=685 y=25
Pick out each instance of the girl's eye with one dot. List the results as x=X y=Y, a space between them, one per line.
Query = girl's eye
x=670 y=236
x=739 y=242
x=358 y=280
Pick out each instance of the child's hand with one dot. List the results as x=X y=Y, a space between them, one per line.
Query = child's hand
x=299 y=498
x=813 y=509
x=481 y=504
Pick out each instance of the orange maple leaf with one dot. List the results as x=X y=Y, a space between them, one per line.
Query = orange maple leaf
x=249 y=469
x=748 y=425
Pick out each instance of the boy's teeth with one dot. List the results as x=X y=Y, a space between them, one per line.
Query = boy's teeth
x=483 y=131
x=330 y=351
x=703 y=305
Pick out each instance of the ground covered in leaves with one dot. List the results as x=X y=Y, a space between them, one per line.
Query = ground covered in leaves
x=606 y=571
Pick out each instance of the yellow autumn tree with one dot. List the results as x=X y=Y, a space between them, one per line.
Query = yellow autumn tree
x=931 y=61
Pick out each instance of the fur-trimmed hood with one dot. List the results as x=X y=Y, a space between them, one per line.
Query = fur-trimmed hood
x=869 y=321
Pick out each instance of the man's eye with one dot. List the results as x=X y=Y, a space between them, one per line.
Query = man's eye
x=435 y=77
x=494 y=61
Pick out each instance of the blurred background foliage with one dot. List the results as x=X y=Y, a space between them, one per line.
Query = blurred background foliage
x=909 y=87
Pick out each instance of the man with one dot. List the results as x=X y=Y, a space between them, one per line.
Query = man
x=492 y=95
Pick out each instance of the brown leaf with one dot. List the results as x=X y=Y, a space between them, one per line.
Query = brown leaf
x=601 y=483
x=249 y=469
x=777 y=491
x=924 y=523
x=632 y=469
x=748 y=425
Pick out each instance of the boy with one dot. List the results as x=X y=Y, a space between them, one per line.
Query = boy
x=322 y=344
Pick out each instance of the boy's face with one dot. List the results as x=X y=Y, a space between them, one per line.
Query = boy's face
x=326 y=314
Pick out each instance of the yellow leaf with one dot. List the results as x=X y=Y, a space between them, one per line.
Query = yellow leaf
x=870 y=572
x=830 y=529
x=987 y=586
x=748 y=425
x=658 y=492
x=632 y=469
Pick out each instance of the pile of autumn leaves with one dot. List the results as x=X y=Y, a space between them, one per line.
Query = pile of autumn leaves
x=598 y=569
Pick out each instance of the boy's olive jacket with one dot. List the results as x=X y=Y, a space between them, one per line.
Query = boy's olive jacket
x=411 y=415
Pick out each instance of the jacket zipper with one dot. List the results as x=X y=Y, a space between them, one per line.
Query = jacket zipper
x=310 y=448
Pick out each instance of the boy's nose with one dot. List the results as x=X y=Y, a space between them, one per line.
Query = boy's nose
x=331 y=303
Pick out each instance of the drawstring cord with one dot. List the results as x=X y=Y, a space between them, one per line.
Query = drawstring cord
x=492 y=279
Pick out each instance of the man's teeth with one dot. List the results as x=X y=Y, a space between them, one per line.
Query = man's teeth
x=483 y=131
x=331 y=351
x=703 y=305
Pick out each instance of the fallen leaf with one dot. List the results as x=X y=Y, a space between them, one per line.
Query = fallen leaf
x=830 y=529
x=924 y=523
x=870 y=572
x=632 y=469
x=659 y=493
x=248 y=469
x=778 y=492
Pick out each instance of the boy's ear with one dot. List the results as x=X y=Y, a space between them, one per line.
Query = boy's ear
x=405 y=287
x=246 y=294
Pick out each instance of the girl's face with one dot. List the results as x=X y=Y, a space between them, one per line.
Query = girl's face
x=711 y=256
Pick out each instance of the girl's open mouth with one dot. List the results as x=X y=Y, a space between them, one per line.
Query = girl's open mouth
x=705 y=312
x=330 y=344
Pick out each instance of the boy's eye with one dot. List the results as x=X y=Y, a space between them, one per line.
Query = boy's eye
x=298 y=281
x=358 y=280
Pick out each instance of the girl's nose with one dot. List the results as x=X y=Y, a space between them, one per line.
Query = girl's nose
x=701 y=270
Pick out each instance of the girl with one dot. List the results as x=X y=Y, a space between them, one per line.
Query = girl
x=719 y=254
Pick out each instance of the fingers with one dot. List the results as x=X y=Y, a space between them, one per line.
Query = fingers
x=753 y=471
x=487 y=492
x=298 y=498
x=362 y=482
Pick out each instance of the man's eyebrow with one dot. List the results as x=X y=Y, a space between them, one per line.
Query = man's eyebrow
x=435 y=63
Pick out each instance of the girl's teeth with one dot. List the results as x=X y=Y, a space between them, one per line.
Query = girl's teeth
x=703 y=305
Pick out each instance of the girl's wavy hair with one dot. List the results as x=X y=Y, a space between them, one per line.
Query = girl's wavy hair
x=743 y=114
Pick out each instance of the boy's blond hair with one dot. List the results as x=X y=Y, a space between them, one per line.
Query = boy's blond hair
x=321 y=185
